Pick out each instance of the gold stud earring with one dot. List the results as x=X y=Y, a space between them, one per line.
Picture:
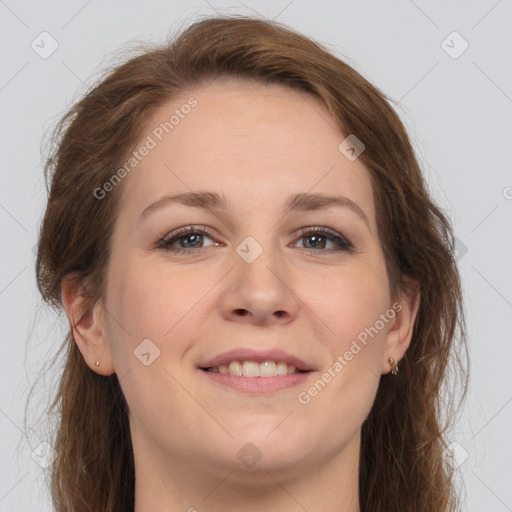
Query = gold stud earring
x=394 y=366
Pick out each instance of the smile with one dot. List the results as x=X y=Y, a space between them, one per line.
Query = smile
x=254 y=369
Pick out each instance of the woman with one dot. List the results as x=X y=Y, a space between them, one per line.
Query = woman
x=263 y=299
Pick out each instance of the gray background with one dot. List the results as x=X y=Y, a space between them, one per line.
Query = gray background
x=457 y=110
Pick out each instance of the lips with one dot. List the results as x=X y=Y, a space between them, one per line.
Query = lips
x=258 y=356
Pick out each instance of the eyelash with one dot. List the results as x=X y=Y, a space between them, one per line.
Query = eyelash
x=343 y=244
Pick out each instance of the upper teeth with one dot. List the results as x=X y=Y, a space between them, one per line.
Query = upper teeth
x=254 y=369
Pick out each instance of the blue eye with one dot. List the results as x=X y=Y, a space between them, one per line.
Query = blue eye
x=318 y=237
x=191 y=239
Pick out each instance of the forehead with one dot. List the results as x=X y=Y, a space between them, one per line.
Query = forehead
x=245 y=140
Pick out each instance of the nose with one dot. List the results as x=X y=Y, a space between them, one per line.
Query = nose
x=260 y=292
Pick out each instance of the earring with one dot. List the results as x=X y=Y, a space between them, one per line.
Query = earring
x=394 y=365
x=97 y=363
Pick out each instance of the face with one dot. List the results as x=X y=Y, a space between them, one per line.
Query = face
x=261 y=263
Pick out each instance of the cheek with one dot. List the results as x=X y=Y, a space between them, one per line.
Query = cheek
x=152 y=301
x=347 y=302
x=148 y=299
x=150 y=327
x=138 y=312
x=353 y=334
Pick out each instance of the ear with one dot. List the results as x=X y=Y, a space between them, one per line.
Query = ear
x=400 y=334
x=88 y=326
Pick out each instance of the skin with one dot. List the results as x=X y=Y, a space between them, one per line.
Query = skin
x=257 y=145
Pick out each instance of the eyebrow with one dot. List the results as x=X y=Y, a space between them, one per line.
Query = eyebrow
x=299 y=202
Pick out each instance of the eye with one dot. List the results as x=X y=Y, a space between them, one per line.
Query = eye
x=192 y=238
x=189 y=239
x=317 y=239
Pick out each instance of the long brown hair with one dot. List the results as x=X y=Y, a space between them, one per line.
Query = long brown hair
x=402 y=466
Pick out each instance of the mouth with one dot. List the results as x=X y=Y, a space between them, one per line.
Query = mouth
x=253 y=371
x=266 y=369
